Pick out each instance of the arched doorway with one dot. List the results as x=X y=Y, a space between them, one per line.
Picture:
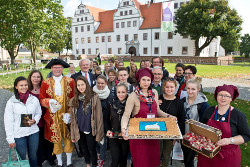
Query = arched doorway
x=132 y=50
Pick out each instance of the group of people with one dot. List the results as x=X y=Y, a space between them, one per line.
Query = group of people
x=91 y=109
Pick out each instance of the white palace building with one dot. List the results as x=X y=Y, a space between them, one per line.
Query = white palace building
x=132 y=28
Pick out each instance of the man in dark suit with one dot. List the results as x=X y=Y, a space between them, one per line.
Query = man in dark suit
x=84 y=66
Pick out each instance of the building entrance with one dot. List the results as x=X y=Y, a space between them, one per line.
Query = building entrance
x=132 y=51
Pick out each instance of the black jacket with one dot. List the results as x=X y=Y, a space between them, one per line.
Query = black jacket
x=92 y=78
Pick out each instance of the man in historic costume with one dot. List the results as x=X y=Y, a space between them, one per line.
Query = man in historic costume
x=55 y=94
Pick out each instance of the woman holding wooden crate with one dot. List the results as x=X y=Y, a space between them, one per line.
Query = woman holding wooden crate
x=233 y=125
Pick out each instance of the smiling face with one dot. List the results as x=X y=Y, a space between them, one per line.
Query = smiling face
x=147 y=64
x=158 y=74
x=121 y=92
x=192 y=90
x=145 y=82
x=85 y=65
x=120 y=65
x=157 y=62
x=22 y=86
x=133 y=67
x=35 y=78
x=188 y=74
x=57 y=70
x=81 y=86
x=224 y=98
x=100 y=84
x=72 y=68
x=179 y=71
x=169 y=88
x=107 y=67
x=111 y=76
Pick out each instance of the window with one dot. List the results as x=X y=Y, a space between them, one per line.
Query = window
x=145 y=36
x=89 y=51
x=126 y=13
x=119 y=50
x=117 y=25
x=156 y=50
x=184 y=50
x=129 y=24
x=117 y=38
x=123 y=25
x=125 y=3
x=130 y=12
x=109 y=50
x=82 y=39
x=135 y=37
x=89 y=39
x=97 y=39
x=157 y=35
x=77 y=19
x=81 y=11
x=96 y=50
x=86 y=18
x=83 y=51
x=185 y=36
x=145 y=51
x=82 y=28
x=121 y=13
x=77 y=51
x=175 y=5
x=88 y=28
x=76 y=29
x=103 y=38
x=126 y=37
x=76 y=40
x=170 y=50
x=109 y=38
x=81 y=18
x=170 y=35
x=134 y=23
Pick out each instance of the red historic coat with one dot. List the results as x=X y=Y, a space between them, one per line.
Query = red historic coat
x=51 y=128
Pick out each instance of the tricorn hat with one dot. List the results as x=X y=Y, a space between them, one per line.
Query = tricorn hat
x=57 y=62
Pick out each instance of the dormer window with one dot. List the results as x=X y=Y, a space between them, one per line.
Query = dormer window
x=126 y=3
x=81 y=11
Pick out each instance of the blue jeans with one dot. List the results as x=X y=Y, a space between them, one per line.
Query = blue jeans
x=101 y=149
x=29 y=143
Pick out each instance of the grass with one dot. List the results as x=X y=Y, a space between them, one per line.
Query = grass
x=243 y=106
x=210 y=71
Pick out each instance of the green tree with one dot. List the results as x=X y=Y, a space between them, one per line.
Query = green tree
x=68 y=42
x=12 y=14
x=245 y=45
x=207 y=18
x=230 y=44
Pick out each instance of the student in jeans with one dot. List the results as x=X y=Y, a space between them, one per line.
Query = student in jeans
x=21 y=116
x=86 y=120
x=119 y=147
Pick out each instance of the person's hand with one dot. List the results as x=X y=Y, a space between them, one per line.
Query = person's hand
x=224 y=142
x=73 y=141
x=31 y=122
x=109 y=133
x=160 y=102
x=171 y=116
x=124 y=134
x=12 y=145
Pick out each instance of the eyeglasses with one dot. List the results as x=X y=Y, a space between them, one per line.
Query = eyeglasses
x=157 y=74
x=188 y=73
x=225 y=96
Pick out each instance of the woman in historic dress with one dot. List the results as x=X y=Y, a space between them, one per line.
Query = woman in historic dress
x=21 y=116
x=86 y=120
x=45 y=147
x=233 y=125
x=194 y=105
x=172 y=105
x=119 y=147
x=103 y=92
x=143 y=103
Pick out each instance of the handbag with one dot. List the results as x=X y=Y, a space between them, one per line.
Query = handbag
x=177 y=151
x=19 y=162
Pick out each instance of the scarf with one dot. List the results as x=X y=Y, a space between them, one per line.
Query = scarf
x=119 y=107
x=111 y=84
x=85 y=109
x=24 y=97
x=103 y=94
x=180 y=79
x=149 y=99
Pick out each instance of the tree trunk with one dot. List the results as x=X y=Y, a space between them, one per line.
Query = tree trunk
x=199 y=49
x=12 y=55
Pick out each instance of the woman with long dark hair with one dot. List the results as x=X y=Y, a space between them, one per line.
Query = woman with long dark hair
x=86 y=120
x=21 y=116
x=45 y=147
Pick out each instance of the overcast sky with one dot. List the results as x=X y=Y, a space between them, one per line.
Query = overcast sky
x=242 y=7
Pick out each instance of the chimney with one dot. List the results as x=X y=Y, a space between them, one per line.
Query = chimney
x=148 y=5
x=152 y=1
